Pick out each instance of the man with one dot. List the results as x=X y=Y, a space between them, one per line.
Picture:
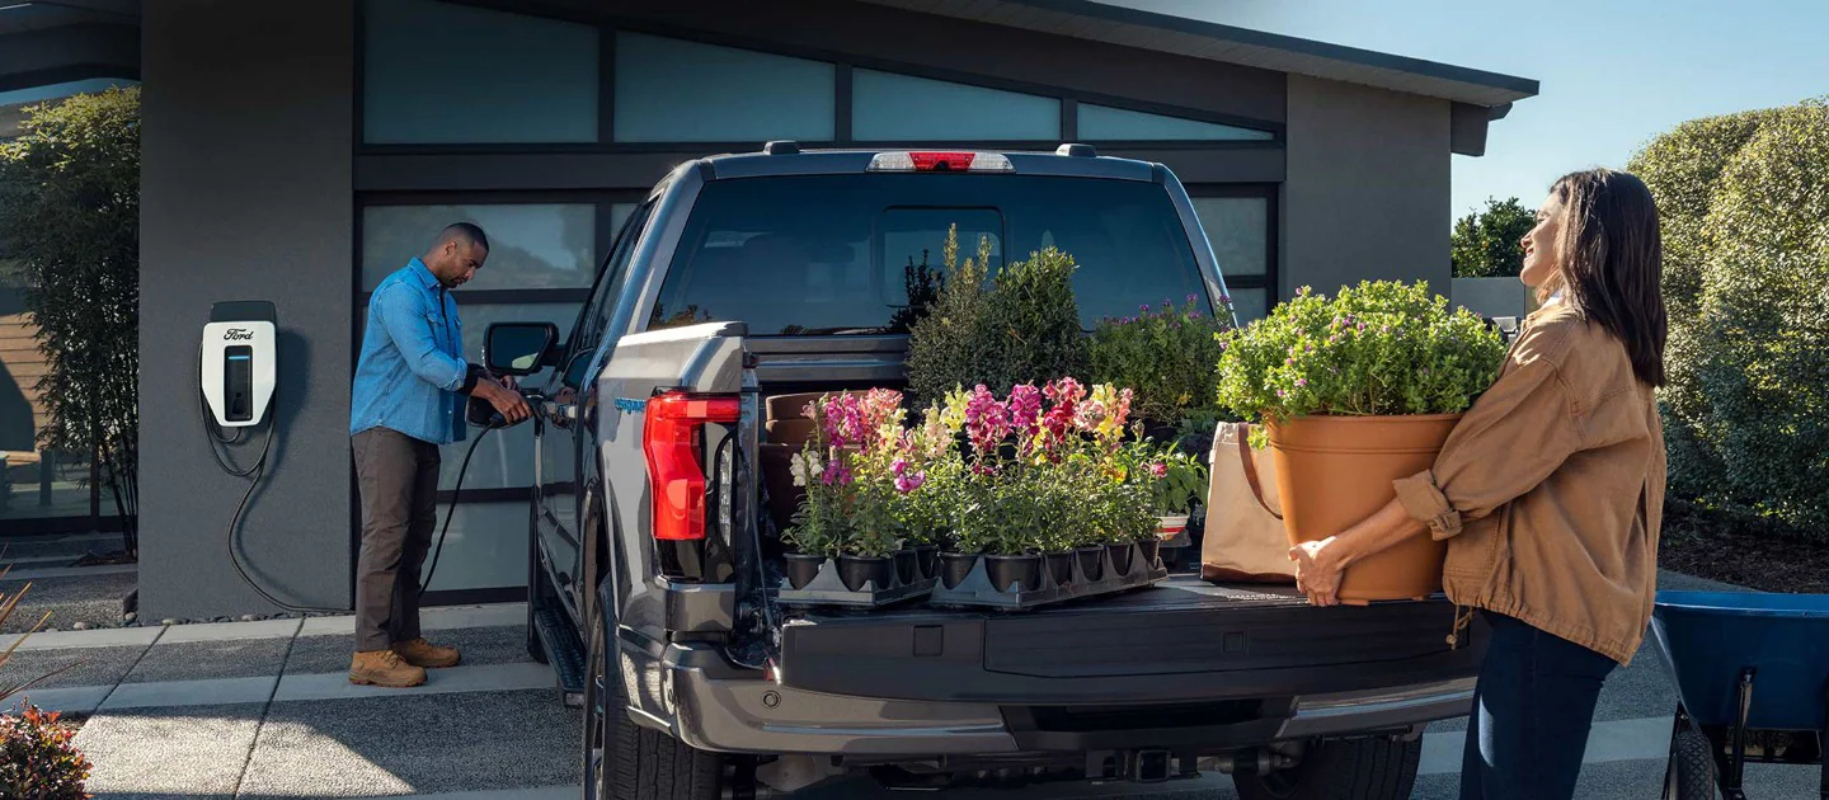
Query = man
x=409 y=396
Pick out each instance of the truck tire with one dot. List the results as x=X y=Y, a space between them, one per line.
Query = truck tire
x=625 y=761
x=1371 y=768
x=1691 y=774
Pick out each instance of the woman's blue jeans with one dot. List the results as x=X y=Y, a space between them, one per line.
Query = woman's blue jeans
x=1533 y=708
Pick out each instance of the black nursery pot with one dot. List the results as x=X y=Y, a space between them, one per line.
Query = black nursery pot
x=927 y=561
x=1120 y=557
x=1092 y=562
x=1006 y=571
x=955 y=566
x=1150 y=548
x=907 y=567
x=1060 y=565
x=801 y=569
x=855 y=571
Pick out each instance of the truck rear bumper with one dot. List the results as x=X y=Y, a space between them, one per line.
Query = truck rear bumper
x=742 y=713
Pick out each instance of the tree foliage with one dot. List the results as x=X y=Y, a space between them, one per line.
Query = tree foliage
x=1485 y=243
x=1745 y=206
x=70 y=219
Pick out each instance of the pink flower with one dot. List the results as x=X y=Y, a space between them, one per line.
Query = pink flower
x=1025 y=406
x=987 y=421
x=898 y=466
x=1159 y=469
x=909 y=483
x=836 y=473
x=1301 y=381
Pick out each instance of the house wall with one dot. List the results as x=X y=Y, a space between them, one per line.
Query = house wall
x=1367 y=189
x=245 y=194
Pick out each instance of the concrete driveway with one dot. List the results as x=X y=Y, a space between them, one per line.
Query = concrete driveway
x=263 y=710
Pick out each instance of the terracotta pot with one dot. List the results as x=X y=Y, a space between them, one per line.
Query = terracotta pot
x=927 y=561
x=955 y=566
x=1150 y=548
x=855 y=571
x=1092 y=561
x=1333 y=472
x=1120 y=557
x=1007 y=571
x=906 y=566
x=1060 y=566
x=801 y=569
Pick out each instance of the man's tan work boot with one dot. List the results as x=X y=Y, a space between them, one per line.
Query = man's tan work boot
x=421 y=653
x=384 y=668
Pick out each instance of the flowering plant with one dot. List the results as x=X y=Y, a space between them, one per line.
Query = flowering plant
x=851 y=469
x=1382 y=348
x=1166 y=353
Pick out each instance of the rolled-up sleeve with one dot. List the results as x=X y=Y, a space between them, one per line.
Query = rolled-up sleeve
x=411 y=333
x=1516 y=434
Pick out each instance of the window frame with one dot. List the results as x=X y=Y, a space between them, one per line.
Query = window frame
x=610 y=24
x=1269 y=282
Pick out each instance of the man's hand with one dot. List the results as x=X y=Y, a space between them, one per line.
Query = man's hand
x=1318 y=571
x=508 y=402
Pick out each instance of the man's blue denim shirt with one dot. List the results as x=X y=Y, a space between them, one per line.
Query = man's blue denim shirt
x=411 y=369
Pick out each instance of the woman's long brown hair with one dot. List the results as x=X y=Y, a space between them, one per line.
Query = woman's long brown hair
x=1613 y=262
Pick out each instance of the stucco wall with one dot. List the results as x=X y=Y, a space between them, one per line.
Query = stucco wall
x=1367 y=194
x=246 y=194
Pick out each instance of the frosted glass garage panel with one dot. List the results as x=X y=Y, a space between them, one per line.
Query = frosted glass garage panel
x=485 y=549
x=1239 y=229
x=670 y=90
x=442 y=73
x=538 y=246
x=886 y=107
x=1104 y=123
x=505 y=458
x=1250 y=305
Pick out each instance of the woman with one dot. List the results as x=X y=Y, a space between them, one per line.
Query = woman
x=1548 y=491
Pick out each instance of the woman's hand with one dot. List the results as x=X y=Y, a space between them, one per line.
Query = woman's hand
x=1318 y=570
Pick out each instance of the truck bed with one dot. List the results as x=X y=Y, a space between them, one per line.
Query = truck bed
x=1178 y=641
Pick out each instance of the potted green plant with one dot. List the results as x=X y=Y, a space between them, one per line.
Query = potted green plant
x=848 y=513
x=1166 y=354
x=1354 y=393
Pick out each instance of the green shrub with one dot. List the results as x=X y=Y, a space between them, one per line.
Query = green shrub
x=1021 y=327
x=1167 y=355
x=1382 y=348
x=1755 y=364
x=943 y=350
x=38 y=759
x=1683 y=169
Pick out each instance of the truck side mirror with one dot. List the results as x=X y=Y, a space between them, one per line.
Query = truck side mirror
x=519 y=348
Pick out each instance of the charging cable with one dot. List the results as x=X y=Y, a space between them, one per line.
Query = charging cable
x=218 y=445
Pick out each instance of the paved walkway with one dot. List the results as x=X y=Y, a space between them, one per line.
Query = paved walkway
x=264 y=710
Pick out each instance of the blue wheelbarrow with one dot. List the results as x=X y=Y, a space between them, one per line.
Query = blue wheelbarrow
x=1752 y=670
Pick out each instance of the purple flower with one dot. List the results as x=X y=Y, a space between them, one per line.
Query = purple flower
x=1191 y=298
x=1145 y=308
x=898 y=466
x=1301 y=381
x=1193 y=315
x=909 y=483
x=1289 y=362
x=1281 y=394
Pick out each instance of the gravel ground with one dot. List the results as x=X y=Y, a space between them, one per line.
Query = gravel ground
x=93 y=600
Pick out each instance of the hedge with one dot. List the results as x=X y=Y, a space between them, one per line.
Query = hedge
x=1745 y=209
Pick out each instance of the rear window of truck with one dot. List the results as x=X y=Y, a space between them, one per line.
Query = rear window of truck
x=833 y=254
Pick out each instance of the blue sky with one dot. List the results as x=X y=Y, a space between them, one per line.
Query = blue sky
x=1613 y=73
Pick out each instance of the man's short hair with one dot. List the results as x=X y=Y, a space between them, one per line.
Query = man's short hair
x=465 y=232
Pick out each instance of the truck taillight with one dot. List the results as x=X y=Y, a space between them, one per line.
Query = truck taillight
x=936 y=161
x=672 y=439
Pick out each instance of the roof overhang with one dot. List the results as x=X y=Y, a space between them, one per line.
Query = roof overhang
x=1084 y=19
x=43 y=43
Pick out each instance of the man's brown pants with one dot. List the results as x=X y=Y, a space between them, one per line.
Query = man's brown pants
x=397 y=476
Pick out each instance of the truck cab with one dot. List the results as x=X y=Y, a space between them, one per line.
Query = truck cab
x=654 y=559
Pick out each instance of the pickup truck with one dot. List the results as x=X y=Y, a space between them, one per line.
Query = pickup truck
x=652 y=559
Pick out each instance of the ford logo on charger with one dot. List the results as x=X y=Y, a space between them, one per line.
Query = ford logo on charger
x=238 y=335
